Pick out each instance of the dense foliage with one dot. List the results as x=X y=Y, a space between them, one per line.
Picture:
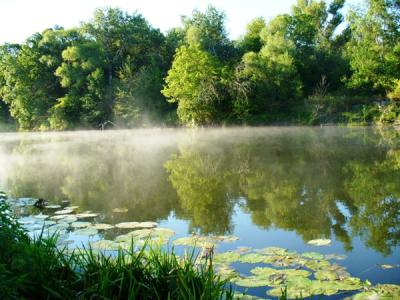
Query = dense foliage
x=309 y=66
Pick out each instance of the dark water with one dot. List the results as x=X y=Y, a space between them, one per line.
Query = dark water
x=268 y=186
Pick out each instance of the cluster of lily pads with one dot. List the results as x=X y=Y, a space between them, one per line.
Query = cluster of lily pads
x=299 y=274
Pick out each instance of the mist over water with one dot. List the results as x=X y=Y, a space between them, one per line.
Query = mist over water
x=268 y=186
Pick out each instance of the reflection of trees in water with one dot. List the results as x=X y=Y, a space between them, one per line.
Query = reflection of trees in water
x=100 y=176
x=313 y=182
x=374 y=190
x=306 y=183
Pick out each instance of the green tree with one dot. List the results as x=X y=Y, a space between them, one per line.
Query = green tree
x=251 y=41
x=374 y=48
x=30 y=86
x=81 y=73
x=267 y=73
x=127 y=41
x=194 y=82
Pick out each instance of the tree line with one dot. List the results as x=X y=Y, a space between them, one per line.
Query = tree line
x=312 y=65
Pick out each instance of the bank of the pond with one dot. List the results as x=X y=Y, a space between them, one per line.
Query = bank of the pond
x=38 y=269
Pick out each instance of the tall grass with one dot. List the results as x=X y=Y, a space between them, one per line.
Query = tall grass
x=37 y=269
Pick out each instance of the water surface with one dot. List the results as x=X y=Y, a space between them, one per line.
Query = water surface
x=267 y=186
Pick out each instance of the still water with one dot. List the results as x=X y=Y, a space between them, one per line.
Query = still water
x=277 y=187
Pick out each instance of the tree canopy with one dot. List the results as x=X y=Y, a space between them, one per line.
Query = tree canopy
x=310 y=65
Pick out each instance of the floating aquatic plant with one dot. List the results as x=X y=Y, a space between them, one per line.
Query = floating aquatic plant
x=320 y=242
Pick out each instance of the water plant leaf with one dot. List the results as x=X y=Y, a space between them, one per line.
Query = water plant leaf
x=380 y=292
x=315 y=264
x=320 y=242
x=386 y=266
x=68 y=219
x=251 y=281
x=194 y=241
x=326 y=275
x=49 y=223
x=272 y=251
x=40 y=217
x=86 y=215
x=132 y=225
x=53 y=206
x=242 y=250
x=105 y=245
x=241 y=296
x=59 y=217
x=226 y=257
x=226 y=238
x=313 y=255
x=101 y=226
x=86 y=231
x=80 y=224
x=63 y=212
x=72 y=207
x=335 y=256
x=252 y=258
x=226 y=272
x=120 y=210
x=288 y=274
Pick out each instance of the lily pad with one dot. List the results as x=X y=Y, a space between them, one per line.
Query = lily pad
x=105 y=245
x=101 y=226
x=313 y=255
x=386 y=266
x=335 y=256
x=326 y=275
x=86 y=215
x=226 y=257
x=49 y=223
x=59 y=217
x=226 y=272
x=241 y=296
x=120 y=210
x=272 y=251
x=242 y=250
x=68 y=219
x=226 y=238
x=64 y=212
x=53 y=206
x=288 y=273
x=40 y=217
x=251 y=281
x=132 y=225
x=252 y=258
x=86 y=231
x=194 y=241
x=320 y=242
x=80 y=224
x=380 y=292
x=72 y=207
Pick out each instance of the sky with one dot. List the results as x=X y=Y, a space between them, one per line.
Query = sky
x=19 y=19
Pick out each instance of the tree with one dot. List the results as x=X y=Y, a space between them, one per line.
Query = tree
x=194 y=83
x=251 y=41
x=374 y=48
x=82 y=75
x=208 y=31
x=31 y=87
x=126 y=40
x=267 y=73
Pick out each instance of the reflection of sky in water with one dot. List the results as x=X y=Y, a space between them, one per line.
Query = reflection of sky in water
x=269 y=187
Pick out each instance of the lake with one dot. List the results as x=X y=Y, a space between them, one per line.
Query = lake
x=262 y=187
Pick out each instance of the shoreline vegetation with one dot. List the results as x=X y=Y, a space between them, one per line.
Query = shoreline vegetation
x=313 y=65
x=39 y=267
